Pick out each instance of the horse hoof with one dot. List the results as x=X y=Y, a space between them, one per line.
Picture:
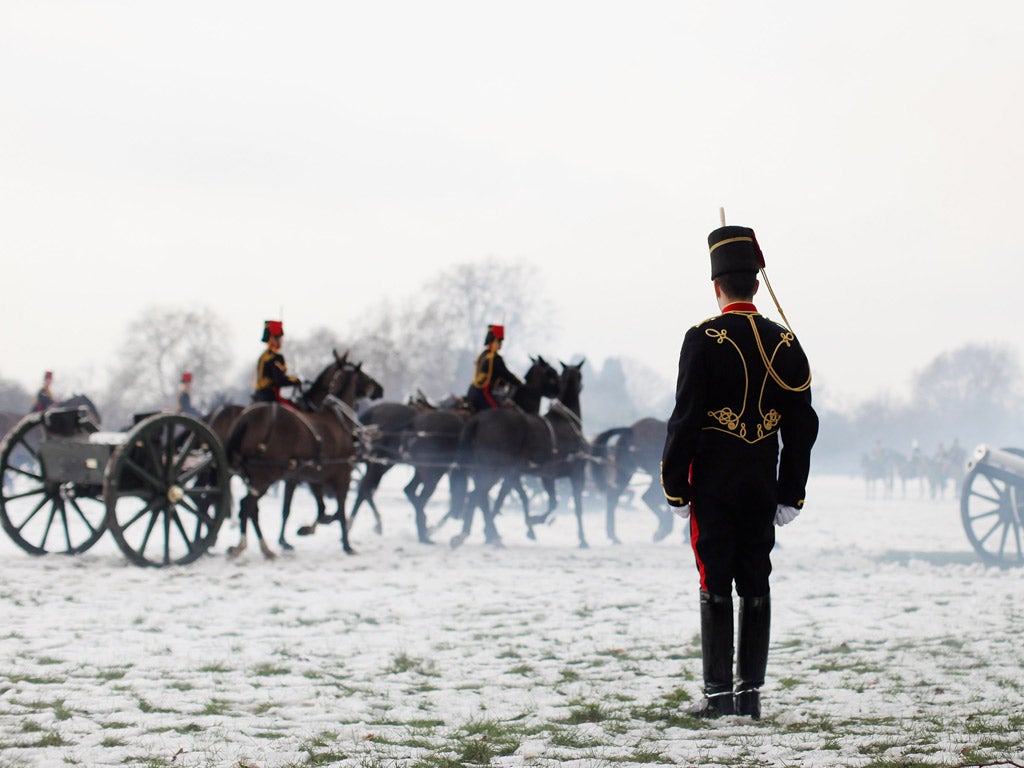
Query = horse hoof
x=584 y=545
x=378 y=530
x=268 y=553
x=324 y=519
x=457 y=540
x=307 y=530
x=616 y=540
x=236 y=550
x=662 y=532
x=496 y=542
x=348 y=550
x=285 y=546
x=426 y=540
x=531 y=535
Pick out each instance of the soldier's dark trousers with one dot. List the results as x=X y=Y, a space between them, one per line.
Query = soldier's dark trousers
x=752 y=653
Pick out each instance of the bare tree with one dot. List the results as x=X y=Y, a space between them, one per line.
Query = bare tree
x=425 y=341
x=157 y=348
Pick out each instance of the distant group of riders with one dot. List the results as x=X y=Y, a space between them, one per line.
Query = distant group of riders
x=889 y=473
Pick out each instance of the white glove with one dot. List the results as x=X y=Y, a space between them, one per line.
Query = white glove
x=784 y=514
x=683 y=512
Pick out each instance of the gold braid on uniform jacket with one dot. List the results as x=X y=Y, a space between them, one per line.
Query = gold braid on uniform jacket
x=769 y=421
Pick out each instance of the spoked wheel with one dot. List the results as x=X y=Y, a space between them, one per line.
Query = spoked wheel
x=992 y=509
x=45 y=515
x=167 y=491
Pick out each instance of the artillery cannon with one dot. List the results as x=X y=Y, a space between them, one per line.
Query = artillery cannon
x=992 y=504
x=162 y=488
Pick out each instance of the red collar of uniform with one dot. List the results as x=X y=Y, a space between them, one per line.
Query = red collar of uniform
x=739 y=306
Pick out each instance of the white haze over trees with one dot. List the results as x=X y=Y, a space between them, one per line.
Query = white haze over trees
x=427 y=342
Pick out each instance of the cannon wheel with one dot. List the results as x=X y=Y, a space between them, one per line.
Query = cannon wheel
x=992 y=509
x=40 y=515
x=167 y=489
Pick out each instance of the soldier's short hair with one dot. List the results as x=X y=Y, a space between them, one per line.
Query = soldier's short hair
x=738 y=285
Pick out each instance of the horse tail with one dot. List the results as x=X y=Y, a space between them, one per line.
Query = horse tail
x=603 y=467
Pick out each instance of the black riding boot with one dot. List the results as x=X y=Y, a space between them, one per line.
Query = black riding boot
x=752 y=655
x=716 y=636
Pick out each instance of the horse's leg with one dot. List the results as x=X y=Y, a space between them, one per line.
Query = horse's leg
x=491 y=535
x=341 y=485
x=480 y=497
x=244 y=513
x=418 y=491
x=525 y=501
x=368 y=485
x=611 y=501
x=286 y=509
x=577 y=495
x=654 y=498
x=321 y=511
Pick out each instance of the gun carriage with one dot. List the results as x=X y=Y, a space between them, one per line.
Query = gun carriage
x=162 y=488
x=992 y=505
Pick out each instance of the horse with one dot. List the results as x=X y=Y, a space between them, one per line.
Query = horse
x=426 y=437
x=879 y=467
x=382 y=451
x=503 y=443
x=271 y=442
x=221 y=420
x=616 y=455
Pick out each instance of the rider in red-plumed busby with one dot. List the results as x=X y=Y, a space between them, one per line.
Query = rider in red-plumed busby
x=491 y=376
x=271 y=370
x=44 y=397
x=184 y=404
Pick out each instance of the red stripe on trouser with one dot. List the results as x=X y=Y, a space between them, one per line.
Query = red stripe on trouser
x=487 y=396
x=695 y=535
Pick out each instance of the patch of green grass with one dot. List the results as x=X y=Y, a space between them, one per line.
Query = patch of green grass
x=571 y=738
x=403 y=662
x=569 y=675
x=112 y=673
x=217 y=666
x=643 y=755
x=521 y=669
x=47 y=739
x=267 y=669
x=112 y=741
x=588 y=712
x=215 y=706
x=320 y=750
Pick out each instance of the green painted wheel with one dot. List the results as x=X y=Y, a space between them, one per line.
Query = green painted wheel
x=167 y=489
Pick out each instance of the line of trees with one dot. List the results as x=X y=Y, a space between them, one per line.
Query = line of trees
x=428 y=342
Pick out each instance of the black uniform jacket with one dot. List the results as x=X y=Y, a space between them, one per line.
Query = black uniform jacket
x=271 y=375
x=744 y=382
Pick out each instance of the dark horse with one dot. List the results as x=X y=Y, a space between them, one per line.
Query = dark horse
x=503 y=444
x=617 y=454
x=427 y=438
x=221 y=420
x=271 y=442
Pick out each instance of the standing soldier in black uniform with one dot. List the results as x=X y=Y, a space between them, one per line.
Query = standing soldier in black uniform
x=271 y=371
x=490 y=373
x=744 y=382
x=44 y=397
x=184 y=404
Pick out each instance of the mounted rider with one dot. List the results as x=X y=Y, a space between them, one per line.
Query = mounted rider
x=492 y=377
x=184 y=404
x=44 y=397
x=271 y=370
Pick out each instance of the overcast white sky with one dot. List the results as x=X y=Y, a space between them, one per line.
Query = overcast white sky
x=321 y=156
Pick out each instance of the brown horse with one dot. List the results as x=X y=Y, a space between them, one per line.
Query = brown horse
x=270 y=442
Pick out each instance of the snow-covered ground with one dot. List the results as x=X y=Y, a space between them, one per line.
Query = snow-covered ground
x=892 y=646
